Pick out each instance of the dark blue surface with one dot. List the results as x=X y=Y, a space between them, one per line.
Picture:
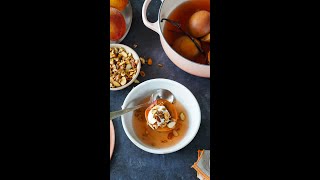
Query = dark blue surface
x=130 y=162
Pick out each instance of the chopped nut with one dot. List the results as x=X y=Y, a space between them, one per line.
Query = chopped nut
x=136 y=81
x=182 y=116
x=124 y=54
x=143 y=61
x=135 y=45
x=171 y=124
x=123 y=81
x=150 y=61
x=115 y=83
x=122 y=67
x=142 y=73
x=160 y=65
x=175 y=133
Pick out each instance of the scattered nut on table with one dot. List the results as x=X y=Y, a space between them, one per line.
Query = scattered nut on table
x=122 y=67
x=143 y=61
x=142 y=73
x=150 y=61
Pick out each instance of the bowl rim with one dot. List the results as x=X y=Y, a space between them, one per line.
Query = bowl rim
x=134 y=53
x=173 y=148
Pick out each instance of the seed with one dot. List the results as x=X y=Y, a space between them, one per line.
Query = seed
x=160 y=65
x=175 y=133
x=150 y=61
x=182 y=116
x=142 y=73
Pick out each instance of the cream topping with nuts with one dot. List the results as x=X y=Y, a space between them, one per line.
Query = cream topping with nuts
x=159 y=116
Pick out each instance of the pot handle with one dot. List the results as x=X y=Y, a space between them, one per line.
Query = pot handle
x=153 y=26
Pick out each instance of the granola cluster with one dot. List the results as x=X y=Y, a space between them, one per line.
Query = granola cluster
x=123 y=67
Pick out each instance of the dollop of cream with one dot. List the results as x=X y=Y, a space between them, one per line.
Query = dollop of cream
x=158 y=116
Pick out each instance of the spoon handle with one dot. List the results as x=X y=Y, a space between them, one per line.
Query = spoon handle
x=116 y=114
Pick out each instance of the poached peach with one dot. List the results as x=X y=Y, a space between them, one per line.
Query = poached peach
x=199 y=23
x=119 y=4
x=186 y=47
x=117 y=24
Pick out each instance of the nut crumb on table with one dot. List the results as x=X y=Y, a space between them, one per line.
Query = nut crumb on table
x=142 y=73
x=149 y=61
x=143 y=61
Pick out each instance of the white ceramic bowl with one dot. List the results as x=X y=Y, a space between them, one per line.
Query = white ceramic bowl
x=182 y=95
x=136 y=57
x=187 y=65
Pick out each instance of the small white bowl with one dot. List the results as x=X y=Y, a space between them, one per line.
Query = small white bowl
x=136 y=57
x=182 y=95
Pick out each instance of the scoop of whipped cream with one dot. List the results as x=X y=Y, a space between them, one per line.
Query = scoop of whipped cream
x=159 y=116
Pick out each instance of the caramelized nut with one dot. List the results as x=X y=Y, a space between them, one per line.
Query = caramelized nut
x=142 y=73
x=150 y=61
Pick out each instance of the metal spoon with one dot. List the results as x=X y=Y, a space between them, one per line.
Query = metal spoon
x=158 y=94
